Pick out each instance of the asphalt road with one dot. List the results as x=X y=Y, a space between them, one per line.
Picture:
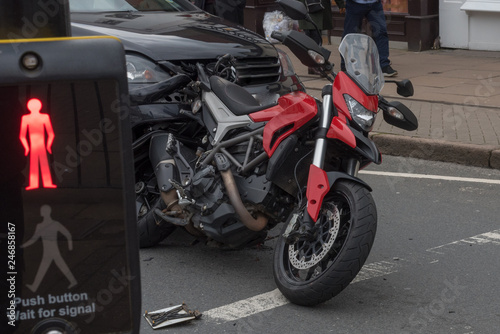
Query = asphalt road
x=433 y=269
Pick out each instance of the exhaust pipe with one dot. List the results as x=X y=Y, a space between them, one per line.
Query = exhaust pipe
x=254 y=224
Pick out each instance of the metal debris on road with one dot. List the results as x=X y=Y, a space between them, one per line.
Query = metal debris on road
x=170 y=315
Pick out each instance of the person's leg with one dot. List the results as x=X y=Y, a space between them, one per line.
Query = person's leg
x=42 y=270
x=58 y=260
x=354 y=15
x=210 y=8
x=45 y=171
x=34 y=171
x=241 y=12
x=314 y=34
x=229 y=10
x=376 y=18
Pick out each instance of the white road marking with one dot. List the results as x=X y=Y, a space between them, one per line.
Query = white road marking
x=246 y=307
x=273 y=299
x=480 y=239
x=432 y=177
x=270 y=300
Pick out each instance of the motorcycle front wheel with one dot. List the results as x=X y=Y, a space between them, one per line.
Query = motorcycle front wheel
x=309 y=272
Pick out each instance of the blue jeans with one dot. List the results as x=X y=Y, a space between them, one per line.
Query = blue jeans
x=374 y=13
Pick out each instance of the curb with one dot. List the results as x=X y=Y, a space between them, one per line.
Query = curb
x=486 y=156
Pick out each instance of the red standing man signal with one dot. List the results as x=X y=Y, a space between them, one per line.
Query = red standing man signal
x=36 y=124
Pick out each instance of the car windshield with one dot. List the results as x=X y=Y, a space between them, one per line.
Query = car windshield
x=362 y=62
x=130 y=5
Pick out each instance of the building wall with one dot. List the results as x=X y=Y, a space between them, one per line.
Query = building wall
x=412 y=21
x=484 y=24
x=453 y=24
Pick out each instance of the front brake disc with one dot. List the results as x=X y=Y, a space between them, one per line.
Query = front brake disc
x=306 y=254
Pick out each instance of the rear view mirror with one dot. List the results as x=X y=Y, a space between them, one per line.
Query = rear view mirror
x=300 y=44
x=294 y=9
x=399 y=115
x=405 y=87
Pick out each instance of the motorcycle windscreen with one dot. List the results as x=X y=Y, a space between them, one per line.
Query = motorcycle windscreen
x=69 y=247
x=362 y=62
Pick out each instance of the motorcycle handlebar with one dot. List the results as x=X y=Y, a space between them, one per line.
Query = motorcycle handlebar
x=278 y=36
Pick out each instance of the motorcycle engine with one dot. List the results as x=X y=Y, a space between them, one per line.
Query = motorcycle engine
x=215 y=216
x=207 y=204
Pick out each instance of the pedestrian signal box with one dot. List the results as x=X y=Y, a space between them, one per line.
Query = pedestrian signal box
x=67 y=215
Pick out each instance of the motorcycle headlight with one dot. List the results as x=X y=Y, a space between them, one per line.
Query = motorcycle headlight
x=363 y=117
x=143 y=71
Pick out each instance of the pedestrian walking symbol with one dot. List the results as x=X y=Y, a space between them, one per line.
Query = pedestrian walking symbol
x=47 y=230
x=32 y=136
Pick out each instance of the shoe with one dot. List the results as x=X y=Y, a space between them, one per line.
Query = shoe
x=389 y=71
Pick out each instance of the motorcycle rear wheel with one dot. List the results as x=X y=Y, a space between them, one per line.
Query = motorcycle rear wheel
x=310 y=272
x=152 y=230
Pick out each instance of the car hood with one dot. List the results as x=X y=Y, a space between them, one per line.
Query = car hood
x=174 y=36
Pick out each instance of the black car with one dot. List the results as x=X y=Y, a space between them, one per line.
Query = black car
x=157 y=34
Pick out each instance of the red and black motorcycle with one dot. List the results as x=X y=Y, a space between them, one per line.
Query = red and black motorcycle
x=228 y=169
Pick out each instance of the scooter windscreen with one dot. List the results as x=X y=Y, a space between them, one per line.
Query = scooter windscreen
x=362 y=62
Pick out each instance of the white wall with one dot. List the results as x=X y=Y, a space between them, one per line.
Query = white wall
x=453 y=24
x=470 y=24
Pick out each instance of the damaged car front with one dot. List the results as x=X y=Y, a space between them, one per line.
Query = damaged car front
x=163 y=37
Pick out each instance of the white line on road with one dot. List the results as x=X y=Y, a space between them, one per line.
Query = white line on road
x=480 y=239
x=273 y=299
x=270 y=300
x=246 y=307
x=432 y=177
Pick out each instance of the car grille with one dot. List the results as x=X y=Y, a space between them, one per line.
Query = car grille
x=257 y=71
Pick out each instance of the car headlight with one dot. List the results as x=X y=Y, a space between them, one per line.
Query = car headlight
x=363 y=117
x=286 y=64
x=143 y=71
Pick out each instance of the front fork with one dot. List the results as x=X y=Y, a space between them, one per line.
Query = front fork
x=317 y=182
x=324 y=125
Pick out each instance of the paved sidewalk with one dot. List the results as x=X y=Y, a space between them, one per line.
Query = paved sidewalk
x=456 y=101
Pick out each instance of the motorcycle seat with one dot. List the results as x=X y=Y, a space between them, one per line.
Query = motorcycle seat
x=235 y=97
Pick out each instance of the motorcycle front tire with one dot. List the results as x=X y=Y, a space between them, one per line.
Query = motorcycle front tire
x=310 y=272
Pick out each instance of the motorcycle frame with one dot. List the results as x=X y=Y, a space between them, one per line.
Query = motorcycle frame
x=292 y=113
